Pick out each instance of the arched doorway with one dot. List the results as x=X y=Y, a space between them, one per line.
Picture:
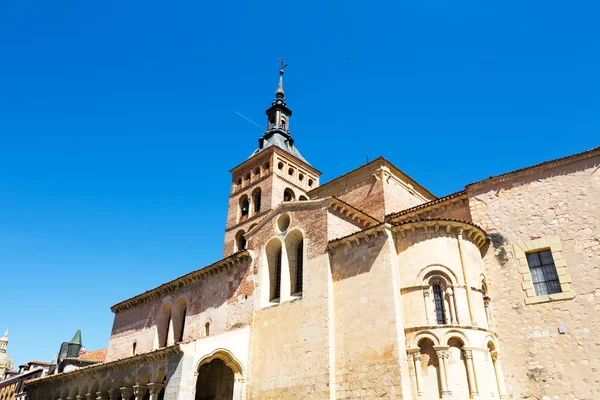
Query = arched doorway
x=215 y=381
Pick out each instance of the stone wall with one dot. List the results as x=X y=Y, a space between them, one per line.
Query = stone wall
x=370 y=359
x=529 y=208
x=289 y=341
x=224 y=300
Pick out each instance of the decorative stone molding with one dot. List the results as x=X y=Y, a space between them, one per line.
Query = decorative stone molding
x=551 y=243
x=333 y=203
x=355 y=239
x=341 y=207
x=426 y=210
x=185 y=280
x=105 y=368
x=468 y=230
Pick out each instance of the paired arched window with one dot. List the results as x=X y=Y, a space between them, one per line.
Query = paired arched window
x=299 y=266
x=179 y=319
x=277 y=288
x=291 y=261
x=164 y=326
x=256 y=194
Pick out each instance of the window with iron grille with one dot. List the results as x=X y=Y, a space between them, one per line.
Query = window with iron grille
x=277 y=290
x=299 y=266
x=543 y=273
x=438 y=297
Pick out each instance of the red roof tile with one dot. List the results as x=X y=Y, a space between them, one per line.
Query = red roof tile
x=97 y=355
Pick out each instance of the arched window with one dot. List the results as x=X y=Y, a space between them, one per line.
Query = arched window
x=164 y=328
x=302 y=198
x=294 y=246
x=244 y=208
x=256 y=200
x=486 y=303
x=277 y=289
x=271 y=275
x=282 y=123
x=207 y=329
x=179 y=319
x=438 y=298
x=240 y=240
x=288 y=195
x=134 y=348
x=299 y=266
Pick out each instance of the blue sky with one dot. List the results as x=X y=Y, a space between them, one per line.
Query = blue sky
x=117 y=124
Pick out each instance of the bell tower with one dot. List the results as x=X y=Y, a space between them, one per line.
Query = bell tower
x=275 y=172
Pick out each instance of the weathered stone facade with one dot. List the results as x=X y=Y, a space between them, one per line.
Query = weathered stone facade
x=370 y=287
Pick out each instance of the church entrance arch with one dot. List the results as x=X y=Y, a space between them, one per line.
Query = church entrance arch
x=219 y=377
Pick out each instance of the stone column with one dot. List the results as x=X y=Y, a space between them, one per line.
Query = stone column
x=139 y=391
x=113 y=394
x=468 y=356
x=238 y=393
x=126 y=393
x=426 y=293
x=488 y=315
x=154 y=389
x=450 y=295
x=442 y=355
x=416 y=356
x=499 y=375
x=101 y=396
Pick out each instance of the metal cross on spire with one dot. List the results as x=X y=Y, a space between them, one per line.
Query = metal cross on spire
x=283 y=65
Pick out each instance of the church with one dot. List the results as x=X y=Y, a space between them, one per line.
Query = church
x=369 y=286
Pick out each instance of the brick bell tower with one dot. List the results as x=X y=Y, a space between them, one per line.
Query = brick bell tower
x=274 y=173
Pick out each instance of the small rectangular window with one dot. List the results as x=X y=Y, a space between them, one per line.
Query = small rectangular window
x=543 y=273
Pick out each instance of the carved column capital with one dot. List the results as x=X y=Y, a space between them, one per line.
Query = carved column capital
x=126 y=393
x=154 y=388
x=139 y=391
x=468 y=354
x=417 y=356
x=101 y=396
x=442 y=354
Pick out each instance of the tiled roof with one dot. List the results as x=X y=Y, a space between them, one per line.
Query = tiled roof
x=424 y=205
x=39 y=363
x=183 y=280
x=96 y=355
x=556 y=160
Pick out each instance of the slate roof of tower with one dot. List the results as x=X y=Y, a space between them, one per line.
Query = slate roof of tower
x=278 y=140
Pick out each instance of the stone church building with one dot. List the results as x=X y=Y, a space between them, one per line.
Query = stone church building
x=370 y=287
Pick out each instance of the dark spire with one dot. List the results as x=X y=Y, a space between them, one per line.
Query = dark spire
x=279 y=95
x=278 y=123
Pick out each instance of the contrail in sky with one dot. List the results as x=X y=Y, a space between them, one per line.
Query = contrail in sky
x=247 y=119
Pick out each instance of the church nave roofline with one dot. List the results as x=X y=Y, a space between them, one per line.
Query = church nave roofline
x=184 y=280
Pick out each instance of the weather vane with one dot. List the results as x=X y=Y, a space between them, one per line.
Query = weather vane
x=283 y=65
